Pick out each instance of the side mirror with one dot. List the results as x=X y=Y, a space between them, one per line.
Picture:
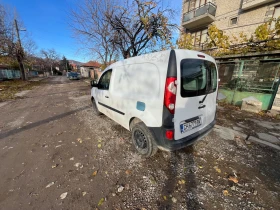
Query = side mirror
x=93 y=83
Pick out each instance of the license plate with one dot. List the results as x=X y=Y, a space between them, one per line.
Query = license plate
x=189 y=125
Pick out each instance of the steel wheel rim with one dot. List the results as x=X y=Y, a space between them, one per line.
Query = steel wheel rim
x=140 y=139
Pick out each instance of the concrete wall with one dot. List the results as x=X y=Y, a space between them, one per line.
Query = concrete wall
x=84 y=71
x=248 y=20
x=235 y=97
x=276 y=104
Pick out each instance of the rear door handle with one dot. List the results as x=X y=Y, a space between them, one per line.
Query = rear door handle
x=106 y=96
x=201 y=107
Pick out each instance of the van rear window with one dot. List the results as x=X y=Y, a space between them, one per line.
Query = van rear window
x=198 y=77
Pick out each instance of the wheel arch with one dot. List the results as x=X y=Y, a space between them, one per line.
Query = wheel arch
x=132 y=121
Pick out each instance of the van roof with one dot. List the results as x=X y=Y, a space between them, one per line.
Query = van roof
x=158 y=57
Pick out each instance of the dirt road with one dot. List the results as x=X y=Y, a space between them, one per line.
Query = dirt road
x=55 y=154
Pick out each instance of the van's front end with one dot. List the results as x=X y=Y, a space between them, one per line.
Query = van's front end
x=189 y=107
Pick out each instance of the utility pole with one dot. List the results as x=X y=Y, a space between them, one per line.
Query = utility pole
x=20 y=54
x=66 y=66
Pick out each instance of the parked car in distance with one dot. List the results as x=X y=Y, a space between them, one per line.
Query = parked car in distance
x=166 y=99
x=73 y=75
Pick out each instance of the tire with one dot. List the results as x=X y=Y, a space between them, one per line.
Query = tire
x=143 y=140
x=94 y=108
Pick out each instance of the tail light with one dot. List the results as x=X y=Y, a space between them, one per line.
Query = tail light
x=170 y=93
x=169 y=134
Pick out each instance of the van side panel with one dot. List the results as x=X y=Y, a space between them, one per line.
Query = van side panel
x=137 y=91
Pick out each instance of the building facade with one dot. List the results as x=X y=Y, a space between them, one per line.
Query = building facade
x=90 y=69
x=230 y=16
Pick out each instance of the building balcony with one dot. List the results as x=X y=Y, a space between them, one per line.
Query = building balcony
x=248 y=4
x=199 y=17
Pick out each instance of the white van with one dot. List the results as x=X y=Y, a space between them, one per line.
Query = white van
x=166 y=99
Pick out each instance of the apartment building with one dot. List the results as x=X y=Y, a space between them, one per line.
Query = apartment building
x=231 y=16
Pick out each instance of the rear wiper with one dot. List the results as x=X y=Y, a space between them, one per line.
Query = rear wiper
x=201 y=102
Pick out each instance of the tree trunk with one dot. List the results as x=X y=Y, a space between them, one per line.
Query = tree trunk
x=21 y=67
x=126 y=54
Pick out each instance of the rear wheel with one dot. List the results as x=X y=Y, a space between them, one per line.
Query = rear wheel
x=94 y=108
x=143 y=140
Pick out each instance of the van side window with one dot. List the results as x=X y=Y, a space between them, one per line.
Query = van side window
x=104 y=81
x=198 y=77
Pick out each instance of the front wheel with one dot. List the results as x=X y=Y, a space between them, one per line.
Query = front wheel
x=143 y=140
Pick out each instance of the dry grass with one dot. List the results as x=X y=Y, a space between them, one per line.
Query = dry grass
x=8 y=89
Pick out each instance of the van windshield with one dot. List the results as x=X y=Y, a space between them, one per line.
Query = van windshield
x=198 y=77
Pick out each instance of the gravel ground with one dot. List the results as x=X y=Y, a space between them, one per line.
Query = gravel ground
x=52 y=144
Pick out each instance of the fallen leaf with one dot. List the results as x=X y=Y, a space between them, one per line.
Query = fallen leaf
x=128 y=172
x=174 y=200
x=233 y=178
x=99 y=141
x=94 y=173
x=54 y=166
x=164 y=197
x=99 y=145
x=120 y=189
x=101 y=202
x=63 y=195
x=225 y=192
x=50 y=184
x=182 y=181
x=84 y=193
x=217 y=169
x=59 y=133
x=200 y=166
x=77 y=165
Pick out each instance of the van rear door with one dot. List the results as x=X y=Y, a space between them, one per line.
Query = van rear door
x=195 y=106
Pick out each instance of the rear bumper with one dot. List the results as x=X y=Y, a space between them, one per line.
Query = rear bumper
x=169 y=145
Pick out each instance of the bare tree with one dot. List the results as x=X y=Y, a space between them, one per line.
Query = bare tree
x=131 y=27
x=7 y=36
x=51 y=56
x=11 y=48
x=140 y=26
x=88 y=23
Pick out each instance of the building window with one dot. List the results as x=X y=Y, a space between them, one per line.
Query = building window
x=199 y=38
x=196 y=3
x=276 y=12
x=276 y=15
x=233 y=21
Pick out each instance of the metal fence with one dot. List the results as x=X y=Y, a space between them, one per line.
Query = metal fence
x=9 y=74
x=258 y=78
x=6 y=74
x=250 y=76
x=208 y=8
